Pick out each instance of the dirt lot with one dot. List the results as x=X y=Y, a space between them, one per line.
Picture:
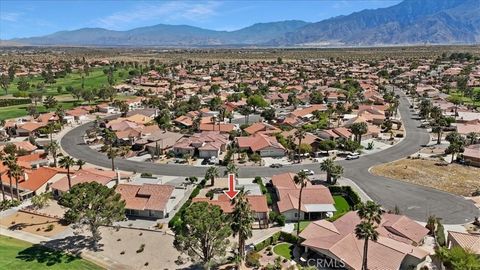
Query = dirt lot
x=454 y=178
x=32 y=223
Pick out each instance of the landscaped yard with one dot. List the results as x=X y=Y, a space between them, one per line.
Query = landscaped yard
x=32 y=223
x=341 y=204
x=16 y=254
x=284 y=250
x=453 y=178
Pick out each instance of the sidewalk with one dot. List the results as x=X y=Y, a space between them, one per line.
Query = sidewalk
x=347 y=182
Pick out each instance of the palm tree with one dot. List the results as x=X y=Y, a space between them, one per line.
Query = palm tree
x=436 y=112
x=211 y=173
x=327 y=166
x=437 y=128
x=231 y=169
x=300 y=135
x=53 y=148
x=67 y=162
x=366 y=231
x=112 y=154
x=336 y=173
x=359 y=129
x=371 y=214
x=300 y=179
x=17 y=172
x=242 y=219
x=472 y=138
x=3 y=188
x=10 y=161
x=80 y=163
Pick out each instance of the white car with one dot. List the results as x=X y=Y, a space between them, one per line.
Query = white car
x=308 y=172
x=352 y=157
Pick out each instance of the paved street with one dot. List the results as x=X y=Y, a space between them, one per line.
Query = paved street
x=415 y=201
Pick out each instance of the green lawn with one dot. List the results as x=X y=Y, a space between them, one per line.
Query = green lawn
x=341 y=205
x=16 y=254
x=96 y=79
x=21 y=110
x=284 y=250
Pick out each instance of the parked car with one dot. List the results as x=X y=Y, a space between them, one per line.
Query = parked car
x=308 y=172
x=276 y=165
x=351 y=157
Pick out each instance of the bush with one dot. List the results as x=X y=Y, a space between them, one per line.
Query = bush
x=146 y=175
x=280 y=220
x=209 y=194
x=50 y=227
x=7 y=204
x=252 y=259
x=6 y=102
x=440 y=234
x=289 y=238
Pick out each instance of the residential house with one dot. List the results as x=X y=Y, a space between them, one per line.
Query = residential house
x=466 y=241
x=105 y=177
x=471 y=155
x=266 y=146
x=203 y=145
x=317 y=201
x=258 y=204
x=149 y=200
x=396 y=247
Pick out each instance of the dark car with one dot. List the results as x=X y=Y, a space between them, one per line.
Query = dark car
x=276 y=165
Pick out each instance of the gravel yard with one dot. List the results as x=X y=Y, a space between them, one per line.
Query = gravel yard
x=453 y=178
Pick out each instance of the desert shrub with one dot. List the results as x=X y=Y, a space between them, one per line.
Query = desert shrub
x=252 y=259
x=50 y=227
x=142 y=247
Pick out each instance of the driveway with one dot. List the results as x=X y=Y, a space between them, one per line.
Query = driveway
x=415 y=201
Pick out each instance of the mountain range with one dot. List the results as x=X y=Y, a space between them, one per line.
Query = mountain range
x=407 y=23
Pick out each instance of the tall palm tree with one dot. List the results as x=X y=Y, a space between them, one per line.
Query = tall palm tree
x=67 y=162
x=10 y=161
x=3 y=188
x=300 y=135
x=336 y=173
x=17 y=172
x=53 y=148
x=242 y=220
x=112 y=153
x=300 y=179
x=231 y=169
x=359 y=129
x=371 y=215
x=366 y=231
x=211 y=173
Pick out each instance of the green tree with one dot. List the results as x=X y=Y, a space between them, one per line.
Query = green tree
x=67 y=162
x=301 y=180
x=256 y=101
x=458 y=258
x=334 y=171
x=359 y=129
x=50 y=102
x=53 y=148
x=94 y=205
x=242 y=220
x=370 y=214
x=300 y=135
x=327 y=145
x=10 y=161
x=17 y=172
x=204 y=233
x=211 y=173
x=231 y=169
x=40 y=201
x=457 y=143
x=4 y=82
x=80 y=163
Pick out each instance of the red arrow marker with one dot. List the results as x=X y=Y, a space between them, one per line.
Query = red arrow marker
x=232 y=192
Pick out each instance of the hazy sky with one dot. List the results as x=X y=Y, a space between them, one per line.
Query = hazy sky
x=22 y=18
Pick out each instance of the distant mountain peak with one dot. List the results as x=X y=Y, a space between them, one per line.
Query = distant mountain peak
x=408 y=22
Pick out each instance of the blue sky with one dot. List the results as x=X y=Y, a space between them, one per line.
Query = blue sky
x=22 y=18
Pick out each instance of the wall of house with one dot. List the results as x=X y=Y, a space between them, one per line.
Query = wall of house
x=207 y=153
x=144 y=213
x=291 y=215
x=272 y=152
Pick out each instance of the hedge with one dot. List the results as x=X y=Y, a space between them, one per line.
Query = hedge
x=264 y=190
x=283 y=236
x=347 y=191
x=14 y=101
